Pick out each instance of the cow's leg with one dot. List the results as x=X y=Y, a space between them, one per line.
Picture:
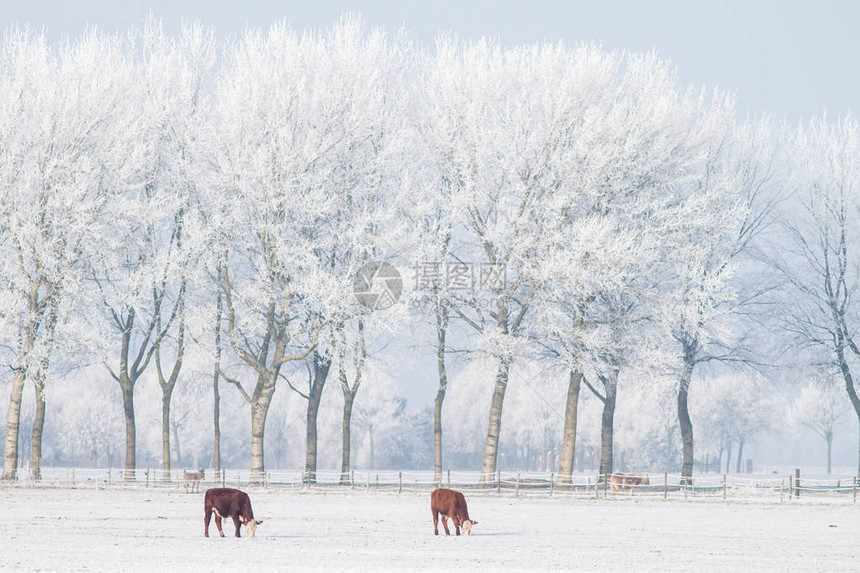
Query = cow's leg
x=445 y=524
x=206 y=520
x=218 y=524
x=237 y=523
x=435 y=522
x=456 y=521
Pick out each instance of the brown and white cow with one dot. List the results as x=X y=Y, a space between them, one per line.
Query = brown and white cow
x=450 y=503
x=192 y=480
x=227 y=502
x=620 y=481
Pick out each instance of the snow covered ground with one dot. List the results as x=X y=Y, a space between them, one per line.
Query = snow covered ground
x=159 y=530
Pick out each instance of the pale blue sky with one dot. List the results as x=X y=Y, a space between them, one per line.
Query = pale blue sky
x=792 y=57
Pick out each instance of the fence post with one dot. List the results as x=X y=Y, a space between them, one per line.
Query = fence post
x=399 y=483
x=367 y=482
x=498 y=481
x=551 y=483
x=449 y=479
x=518 y=484
x=146 y=473
x=109 y=476
x=724 y=486
x=596 y=482
x=73 y=476
x=790 y=487
x=665 y=485
x=854 y=489
x=605 y=485
x=797 y=482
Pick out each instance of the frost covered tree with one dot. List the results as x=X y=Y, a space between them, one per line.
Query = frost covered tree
x=737 y=408
x=303 y=124
x=91 y=427
x=376 y=413
x=723 y=204
x=533 y=419
x=497 y=122
x=174 y=81
x=139 y=269
x=351 y=360
x=430 y=288
x=818 y=254
x=627 y=195
x=821 y=407
x=61 y=115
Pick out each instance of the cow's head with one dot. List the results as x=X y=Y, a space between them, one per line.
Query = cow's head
x=201 y=473
x=250 y=526
x=467 y=526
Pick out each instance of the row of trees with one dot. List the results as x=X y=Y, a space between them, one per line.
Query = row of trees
x=568 y=205
x=85 y=425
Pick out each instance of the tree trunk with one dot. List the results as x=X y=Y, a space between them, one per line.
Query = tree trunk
x=739 y=463
x=178 y=443
x=370 y=443
x=848 y=378
x=216 y=398
x=437 y=430
x=568 y=441
x=321 y=367
x=348 y=399
x=13 y=423
x=728 y=458
x=494 y=428
x=607 y=424
x=684 y=421
x=165 y=432
x=259 y=411
x=39 y=378
x=13 y=418
x=38 y=431
x=216 y=415
x=127 y=387
x=169 y=384
x=441 y=334
x=262 y=400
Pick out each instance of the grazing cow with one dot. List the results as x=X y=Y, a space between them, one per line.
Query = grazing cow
x=622 y=481
x=192 y=480
x=450 y=503
x=227 y=502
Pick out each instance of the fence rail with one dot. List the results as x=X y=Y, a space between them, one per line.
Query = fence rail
x=658 y=485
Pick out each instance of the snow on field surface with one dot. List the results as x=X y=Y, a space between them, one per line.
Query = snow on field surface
x=157 y=530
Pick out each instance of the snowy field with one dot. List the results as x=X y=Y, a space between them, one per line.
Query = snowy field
x=47 y=529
